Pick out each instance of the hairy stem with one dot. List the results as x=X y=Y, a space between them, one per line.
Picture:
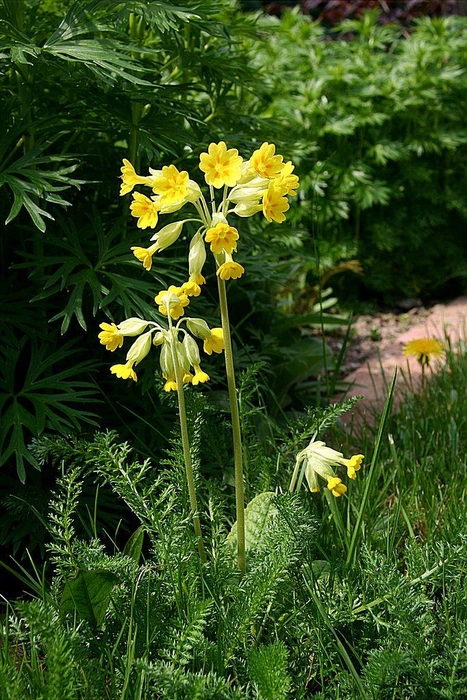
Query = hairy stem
x=236 y=432
x=186 y=447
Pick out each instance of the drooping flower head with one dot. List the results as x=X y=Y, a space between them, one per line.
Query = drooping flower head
x=318 y=460
x=230 y=270
x=262 y=183
x=424 y=349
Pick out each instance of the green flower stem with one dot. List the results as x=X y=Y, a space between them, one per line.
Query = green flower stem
x=186 y=450
x=237 y=437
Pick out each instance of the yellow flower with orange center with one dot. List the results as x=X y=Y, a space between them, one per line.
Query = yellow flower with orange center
x=265 y=162
x=172 y=185
x=274 y=204
x=221 y=166
x=173 y=299
x=286 y=181
x=230 y=270
x=222 y=237
x=145 y=210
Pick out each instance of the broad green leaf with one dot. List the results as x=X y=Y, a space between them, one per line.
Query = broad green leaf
x=259 y=514
x=89 y=595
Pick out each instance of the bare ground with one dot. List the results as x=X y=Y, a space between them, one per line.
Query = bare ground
x=375 y=350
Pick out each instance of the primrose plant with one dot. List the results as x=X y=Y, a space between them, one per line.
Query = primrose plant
x=235 y=187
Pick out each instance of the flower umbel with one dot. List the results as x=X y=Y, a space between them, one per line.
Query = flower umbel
x=424 y=349
x=317 y=460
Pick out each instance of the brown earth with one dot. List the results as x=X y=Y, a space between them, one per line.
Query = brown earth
x=375 y=351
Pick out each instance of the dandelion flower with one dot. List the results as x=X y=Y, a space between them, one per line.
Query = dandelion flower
x=424 y=349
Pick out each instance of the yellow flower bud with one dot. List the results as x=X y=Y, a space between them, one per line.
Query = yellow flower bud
x=191 y=349
x=198 y=327
x=140 y=348
x=168 y=235
x=132 y=326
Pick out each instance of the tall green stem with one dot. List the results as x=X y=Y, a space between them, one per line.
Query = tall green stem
x=236 y=432
x=186 y=447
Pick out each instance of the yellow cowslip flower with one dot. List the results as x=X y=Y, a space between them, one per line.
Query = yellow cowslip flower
x=274 y=204
x=424 y=349
x=144 y=255
x=265 y=163
x=172 y=185
x=222 y=237
x=286 y=182
x=221 y=166
x=145 y=210
x=214 y=342
x=246 y=209
x=192 y=288
x=125 y=371
x=200 y=376
x=140 y=348
x=230 y=270
x=353 y=465
x=110 y=336
x=336 y=487
x=174 y=299
x=170 y=384
x=131 y=178
x=318 y=460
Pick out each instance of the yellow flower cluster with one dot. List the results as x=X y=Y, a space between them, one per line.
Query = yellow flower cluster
x=317 y=460
x=171 y=301
x=261 y=184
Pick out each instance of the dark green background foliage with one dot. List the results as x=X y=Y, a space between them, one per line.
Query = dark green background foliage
x=379 y=123
x=374 y=122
